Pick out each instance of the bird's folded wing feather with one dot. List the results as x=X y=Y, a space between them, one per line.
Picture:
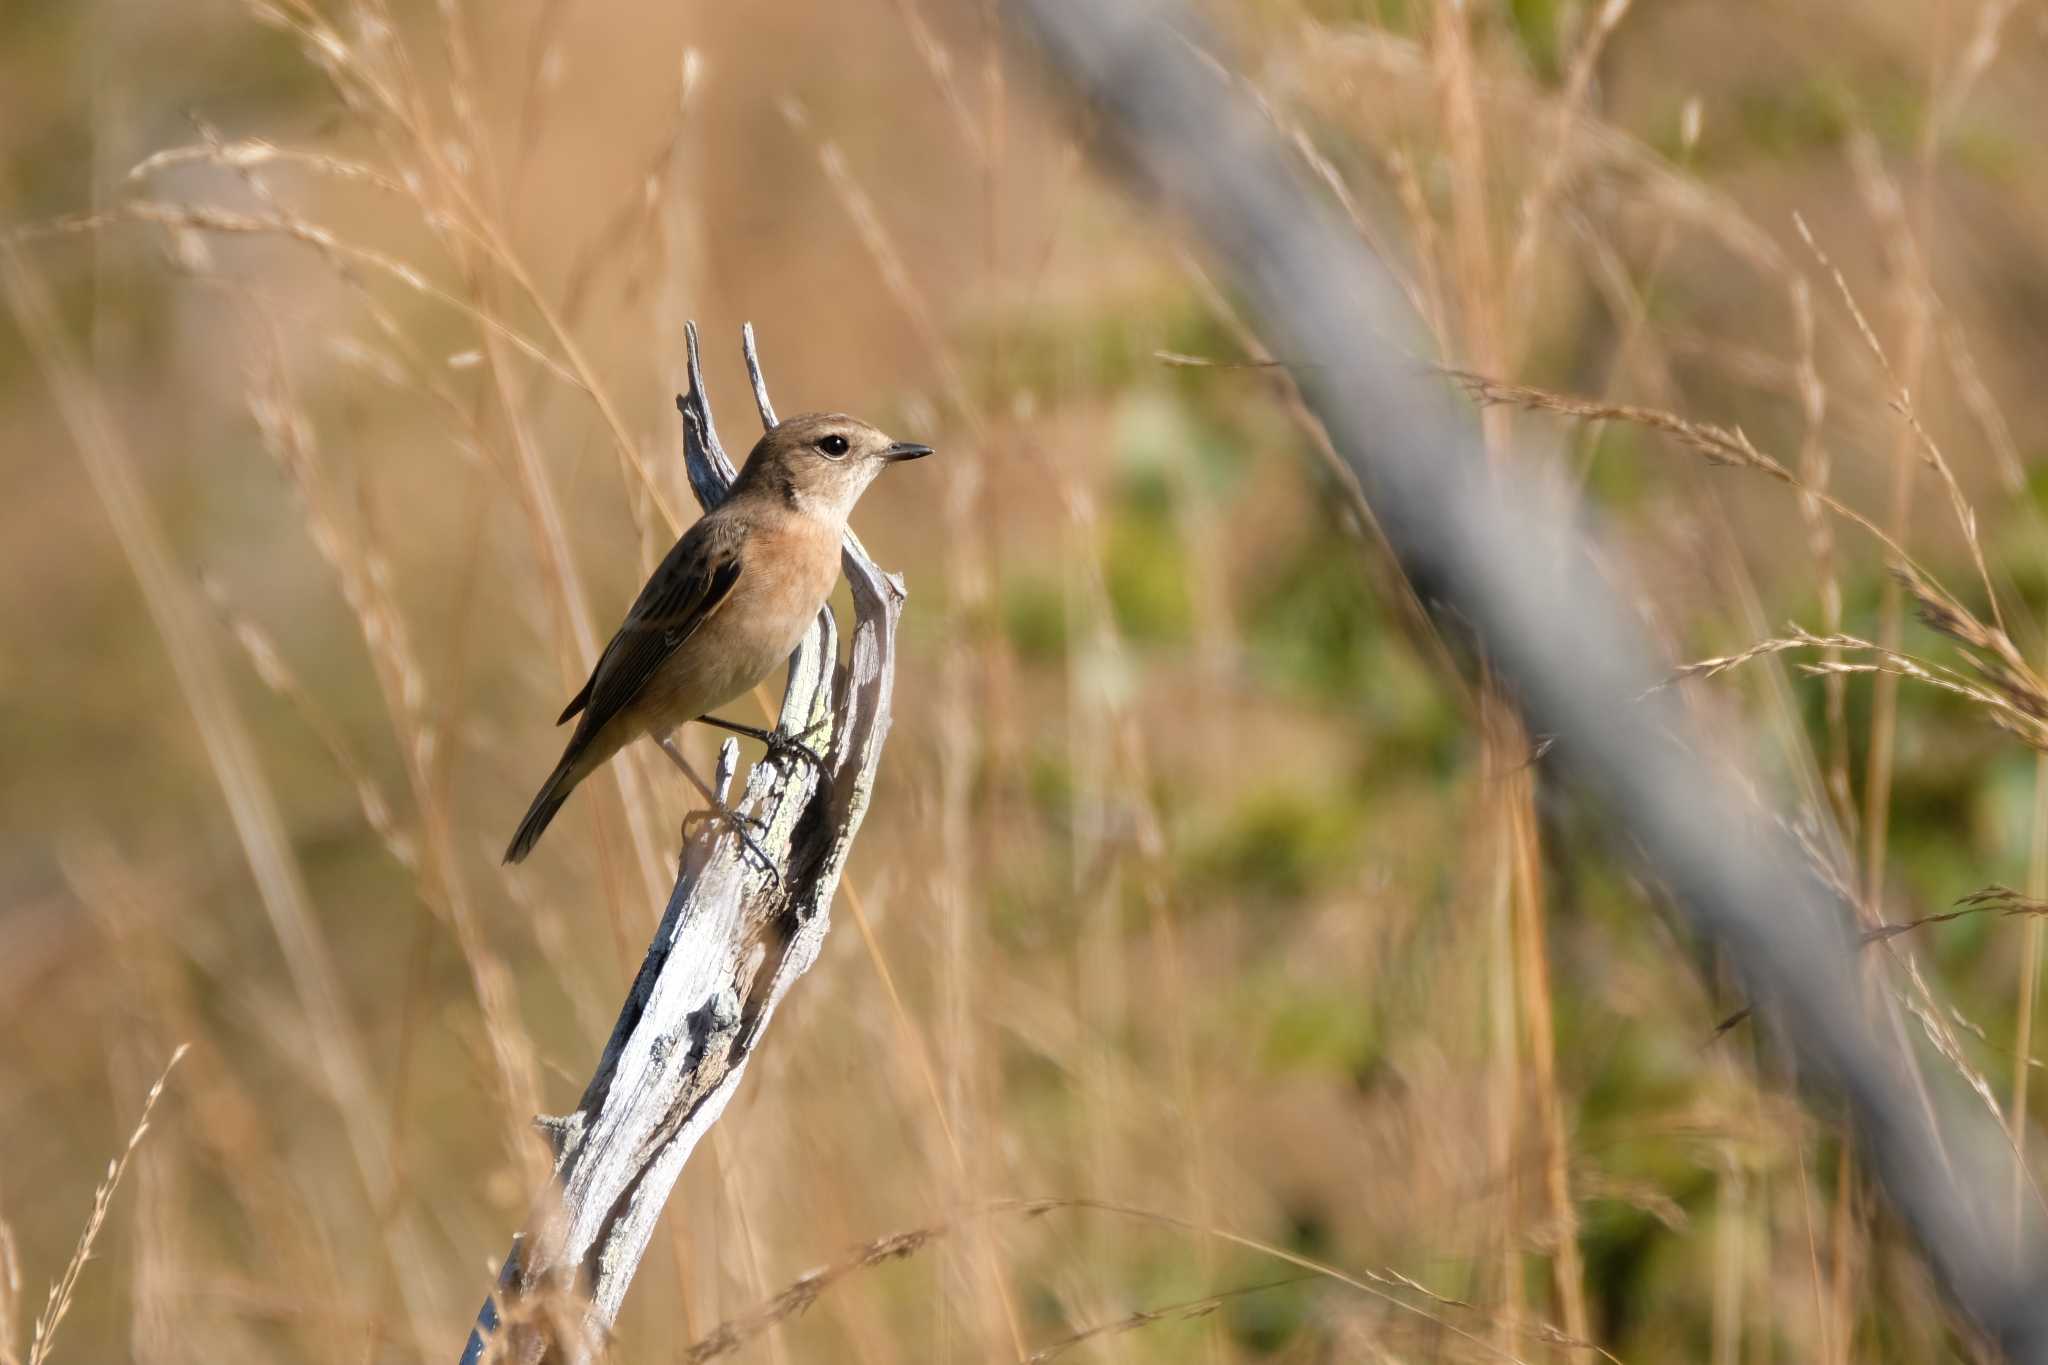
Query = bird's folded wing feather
x=694 y=581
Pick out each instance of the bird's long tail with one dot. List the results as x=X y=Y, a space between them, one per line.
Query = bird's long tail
x=553 y=793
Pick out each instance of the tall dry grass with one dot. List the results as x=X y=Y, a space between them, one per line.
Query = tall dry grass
x=1224 y=975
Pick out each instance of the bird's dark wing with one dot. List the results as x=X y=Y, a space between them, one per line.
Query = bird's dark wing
x=692 y=582
x=576 y=702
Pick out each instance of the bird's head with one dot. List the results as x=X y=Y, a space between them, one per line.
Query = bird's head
x=821 y=462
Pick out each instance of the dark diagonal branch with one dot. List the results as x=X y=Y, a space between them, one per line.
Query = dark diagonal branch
x=1508 y=560
x=731 y=943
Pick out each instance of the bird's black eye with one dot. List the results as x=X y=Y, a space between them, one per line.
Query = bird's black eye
x=833 y=446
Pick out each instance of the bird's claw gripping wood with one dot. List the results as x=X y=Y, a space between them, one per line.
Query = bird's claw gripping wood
x=778 y=741
x=738 y=824
x=720 y=811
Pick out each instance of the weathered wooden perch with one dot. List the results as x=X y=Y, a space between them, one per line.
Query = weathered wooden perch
x=731 y=943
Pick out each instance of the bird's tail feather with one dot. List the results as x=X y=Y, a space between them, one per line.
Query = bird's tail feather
x=553 y=793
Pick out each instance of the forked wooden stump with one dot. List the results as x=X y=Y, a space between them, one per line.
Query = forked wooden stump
x=733 y=940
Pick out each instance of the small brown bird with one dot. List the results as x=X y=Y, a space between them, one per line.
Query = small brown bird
x=728 y=604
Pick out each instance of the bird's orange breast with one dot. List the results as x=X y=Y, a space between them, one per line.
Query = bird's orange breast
x=788 y=569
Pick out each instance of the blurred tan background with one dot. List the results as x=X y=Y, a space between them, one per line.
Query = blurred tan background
x=1192 y=886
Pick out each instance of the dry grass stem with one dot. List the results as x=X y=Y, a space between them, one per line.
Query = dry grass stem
x=58 y=1304
x=1179 y=1312
x=2014 y=704
x=1719 y=445
x=1992 y=900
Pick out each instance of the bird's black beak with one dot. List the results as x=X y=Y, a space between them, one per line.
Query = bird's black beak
x=906 y=450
